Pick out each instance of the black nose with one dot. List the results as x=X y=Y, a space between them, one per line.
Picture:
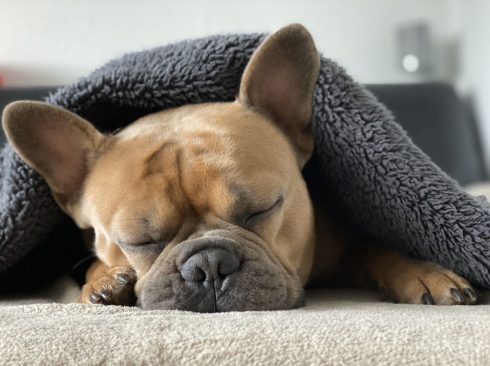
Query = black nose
x=209 y=265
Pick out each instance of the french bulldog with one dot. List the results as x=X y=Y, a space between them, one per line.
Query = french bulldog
x=204 y=207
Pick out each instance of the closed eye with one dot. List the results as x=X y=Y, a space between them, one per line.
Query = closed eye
x=264 y=212
x=143 y=245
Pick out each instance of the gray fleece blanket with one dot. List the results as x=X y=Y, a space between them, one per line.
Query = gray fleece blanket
x=365 y=167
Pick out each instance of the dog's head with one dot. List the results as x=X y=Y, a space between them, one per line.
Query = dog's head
x=206 y=202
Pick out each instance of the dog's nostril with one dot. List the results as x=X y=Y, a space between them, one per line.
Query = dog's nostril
x=193 y=274
x=209 y=264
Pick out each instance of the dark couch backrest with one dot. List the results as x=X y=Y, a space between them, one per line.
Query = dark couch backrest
x=8 y=95
x=439 y=123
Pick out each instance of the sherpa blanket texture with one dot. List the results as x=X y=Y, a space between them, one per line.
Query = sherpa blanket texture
x=369 y=170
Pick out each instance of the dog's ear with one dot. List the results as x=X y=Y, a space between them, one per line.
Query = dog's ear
x=279 y=82
x=56 y=143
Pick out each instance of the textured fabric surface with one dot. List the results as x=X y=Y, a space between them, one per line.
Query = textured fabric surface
x=335 y=328
x=27 y=210
x=370 y=172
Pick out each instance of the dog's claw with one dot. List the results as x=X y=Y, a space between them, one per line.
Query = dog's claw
x=106 y=295
x=470 y=294
x=94 y=297
x=457 y=296
x=123 y=278
x=427 y=299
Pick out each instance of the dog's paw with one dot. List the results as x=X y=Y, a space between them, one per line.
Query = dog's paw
x=116 y=287
x=428 y=283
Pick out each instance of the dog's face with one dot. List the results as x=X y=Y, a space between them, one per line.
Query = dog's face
x=183 y=188
x=206 y=202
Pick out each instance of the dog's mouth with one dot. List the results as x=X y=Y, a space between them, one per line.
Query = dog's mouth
x=217 y=274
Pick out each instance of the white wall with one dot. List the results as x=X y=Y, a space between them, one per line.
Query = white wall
x=475 y=49
x=56 y=41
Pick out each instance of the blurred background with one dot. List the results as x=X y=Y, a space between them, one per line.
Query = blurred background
x=54 y=42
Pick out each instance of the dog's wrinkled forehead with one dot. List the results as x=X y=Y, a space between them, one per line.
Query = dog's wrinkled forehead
x=194 y=160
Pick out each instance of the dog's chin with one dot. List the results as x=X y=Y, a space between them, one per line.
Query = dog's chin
x=258 y=284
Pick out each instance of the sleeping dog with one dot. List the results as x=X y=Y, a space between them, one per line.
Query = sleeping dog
x=204 y=207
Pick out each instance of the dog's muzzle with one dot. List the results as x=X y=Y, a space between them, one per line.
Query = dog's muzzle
x=214 y=274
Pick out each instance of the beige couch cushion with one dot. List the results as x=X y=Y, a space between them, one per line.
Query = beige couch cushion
x=337 y=327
